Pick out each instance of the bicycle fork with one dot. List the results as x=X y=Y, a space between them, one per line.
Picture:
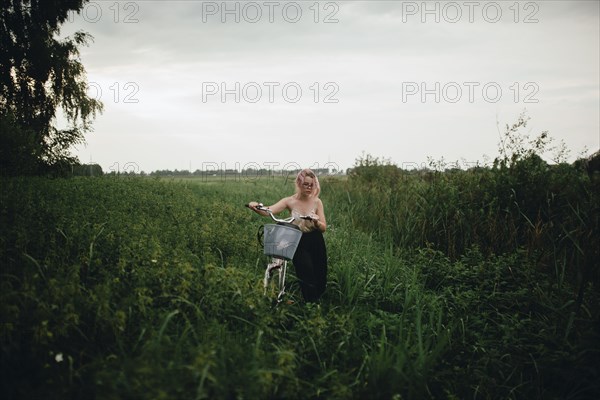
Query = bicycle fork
x=280 y=266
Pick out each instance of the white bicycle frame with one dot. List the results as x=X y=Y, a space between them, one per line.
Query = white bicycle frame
x=277 y=264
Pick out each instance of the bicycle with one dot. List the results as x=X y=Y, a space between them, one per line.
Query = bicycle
x=280 y=243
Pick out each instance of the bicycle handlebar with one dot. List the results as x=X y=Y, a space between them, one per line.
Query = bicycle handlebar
x=261 y=207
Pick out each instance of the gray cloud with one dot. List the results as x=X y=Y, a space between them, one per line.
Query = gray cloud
x=371 y=54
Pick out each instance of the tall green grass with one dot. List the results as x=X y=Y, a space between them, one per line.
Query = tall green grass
x=550 y=211
x=139 y=288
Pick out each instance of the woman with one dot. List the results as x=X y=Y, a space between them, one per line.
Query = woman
x=310 y=259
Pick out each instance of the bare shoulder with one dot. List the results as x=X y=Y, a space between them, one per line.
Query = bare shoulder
x=289 y=202
x=281 y=205
x=319 y=203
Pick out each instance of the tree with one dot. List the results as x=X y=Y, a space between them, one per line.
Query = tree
x=41 y=74
x=516 y=146
x=87 y=170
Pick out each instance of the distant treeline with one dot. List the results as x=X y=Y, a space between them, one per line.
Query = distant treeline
x=591 y=164
x=96 y=170
x=245 y=173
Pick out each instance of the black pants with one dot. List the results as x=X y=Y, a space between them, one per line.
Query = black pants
x=310 y=262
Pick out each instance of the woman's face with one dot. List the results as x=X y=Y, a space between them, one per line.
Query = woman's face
x=307 y=185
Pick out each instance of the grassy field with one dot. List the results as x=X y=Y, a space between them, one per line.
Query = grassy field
x=456 y=285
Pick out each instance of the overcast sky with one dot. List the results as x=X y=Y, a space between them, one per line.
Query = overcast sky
x=192 y=84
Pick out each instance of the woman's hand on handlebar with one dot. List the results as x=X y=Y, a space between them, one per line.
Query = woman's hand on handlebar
x=253 y=205
x=257 y=207
x=315 y=219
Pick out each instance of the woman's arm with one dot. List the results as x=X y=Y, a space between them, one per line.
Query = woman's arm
x=275 y=208
x=320 y=221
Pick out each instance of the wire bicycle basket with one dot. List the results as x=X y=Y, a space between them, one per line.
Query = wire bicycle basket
x=281 y=240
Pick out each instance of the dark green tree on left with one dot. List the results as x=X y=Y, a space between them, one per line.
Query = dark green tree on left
x=41 y=75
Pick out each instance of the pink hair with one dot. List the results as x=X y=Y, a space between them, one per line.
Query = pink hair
x=300 y=180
